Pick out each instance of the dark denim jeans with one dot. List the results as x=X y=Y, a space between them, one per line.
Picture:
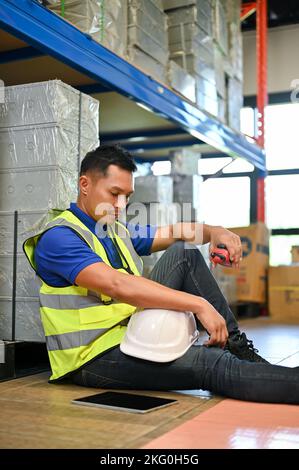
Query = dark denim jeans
x=182 y=267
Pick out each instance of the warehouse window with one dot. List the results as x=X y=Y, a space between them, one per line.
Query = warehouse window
x=225 y=201
x=280 y=249
x=209 y=166
x=161 y=168
x=282 y=136
x=282 y=196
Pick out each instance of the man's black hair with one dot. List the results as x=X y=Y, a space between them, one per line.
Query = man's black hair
x=105 y=155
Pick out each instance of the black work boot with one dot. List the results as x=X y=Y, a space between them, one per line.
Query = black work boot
x=243 y=348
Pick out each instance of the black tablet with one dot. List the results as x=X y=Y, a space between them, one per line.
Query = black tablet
x=125 y=402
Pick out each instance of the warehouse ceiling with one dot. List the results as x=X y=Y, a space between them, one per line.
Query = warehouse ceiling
x=280 y=13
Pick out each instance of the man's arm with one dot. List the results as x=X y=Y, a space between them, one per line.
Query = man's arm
x=199 y=234
x=144 y=293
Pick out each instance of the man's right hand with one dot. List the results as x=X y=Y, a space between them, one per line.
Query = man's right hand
x=213 y=323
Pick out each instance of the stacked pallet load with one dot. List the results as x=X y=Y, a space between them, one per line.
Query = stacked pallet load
x=152 y=204
x=228 y=60
x=104 y=20
x=45 y=130
x=205 y=41
x=191 y=46
x=147 y=37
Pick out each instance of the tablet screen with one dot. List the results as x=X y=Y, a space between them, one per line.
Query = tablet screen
x=125 y=401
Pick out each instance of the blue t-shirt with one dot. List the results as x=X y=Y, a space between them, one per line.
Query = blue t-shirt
x=61 y=254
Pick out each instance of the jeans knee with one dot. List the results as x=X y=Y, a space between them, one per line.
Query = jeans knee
x=177 y=246
x=187 y=250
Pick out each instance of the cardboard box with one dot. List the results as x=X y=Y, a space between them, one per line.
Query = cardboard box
x=295 y=254
x=251 y=277
x=284 y=292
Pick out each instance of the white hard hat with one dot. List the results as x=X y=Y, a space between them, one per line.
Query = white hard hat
x=159 y=335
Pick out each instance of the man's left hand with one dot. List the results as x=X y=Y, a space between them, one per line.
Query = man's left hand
x=220 y=235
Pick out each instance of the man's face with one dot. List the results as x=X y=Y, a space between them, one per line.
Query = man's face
x=104 y=197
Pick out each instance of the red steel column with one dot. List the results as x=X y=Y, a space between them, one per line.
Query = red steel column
x=262 y=95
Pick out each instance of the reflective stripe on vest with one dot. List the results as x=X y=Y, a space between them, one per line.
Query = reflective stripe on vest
x=80 y=324
x=71 y=302
x=73 y=340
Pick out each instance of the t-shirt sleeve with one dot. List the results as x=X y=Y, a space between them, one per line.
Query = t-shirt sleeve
x=61 y=254
x=142 y=237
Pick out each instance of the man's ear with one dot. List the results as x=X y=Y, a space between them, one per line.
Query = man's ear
x=84 y=183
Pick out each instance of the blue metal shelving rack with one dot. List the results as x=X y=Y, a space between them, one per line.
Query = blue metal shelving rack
x=49 y=34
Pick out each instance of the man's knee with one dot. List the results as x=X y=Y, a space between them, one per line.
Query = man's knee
x=177 y=246
x=186 y=250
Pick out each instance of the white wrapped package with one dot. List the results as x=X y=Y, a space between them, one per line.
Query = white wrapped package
x=50 y=102
x=28 y=322
x=43 y=145
x=26 y=284
x=181 y=81
x=147 y=64
x=37 y=188
x=234 y=102
x=153 y=189
x=139 y=38
x=104 y=20
x=187 y=189
x=184 y=161
x=158 y=31
x=28 y=224
x=152 y=8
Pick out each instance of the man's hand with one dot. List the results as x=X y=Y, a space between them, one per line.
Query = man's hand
x=231 y=240
x=213 y=323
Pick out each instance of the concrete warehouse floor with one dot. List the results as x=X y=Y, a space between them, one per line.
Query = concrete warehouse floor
x=35 y=414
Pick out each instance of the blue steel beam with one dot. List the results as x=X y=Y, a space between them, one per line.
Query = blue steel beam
x=42 y=29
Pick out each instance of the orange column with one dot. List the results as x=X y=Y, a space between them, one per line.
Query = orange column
x=262 y=95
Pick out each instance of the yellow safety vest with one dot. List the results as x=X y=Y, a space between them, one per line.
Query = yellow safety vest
x=80 y=324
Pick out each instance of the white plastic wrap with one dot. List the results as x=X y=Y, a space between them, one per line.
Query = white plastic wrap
x=184 y=161
x=181 y=81
x=220 y=26
x=26 y=284
x=37 y=188
x=50 y=102
x=220 y=73
x=206 y=88
x=195 y=66
x=28 y=224
x=188 y=32
x=43 y=145
x=158 y=31
x=153 y=189
x=186 y=189
x=236 y=50
x=191 y=14
x=235 y=102
x=206 y=102
x=104 y=20
x=28 y=322
x=141 y=39
x=152 y=8
x=147 y=64
x=172 y=4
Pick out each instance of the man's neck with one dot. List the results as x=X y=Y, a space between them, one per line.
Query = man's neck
x=83 y=208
